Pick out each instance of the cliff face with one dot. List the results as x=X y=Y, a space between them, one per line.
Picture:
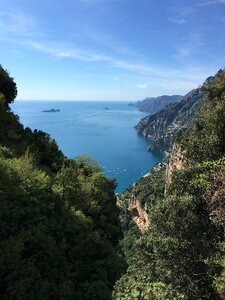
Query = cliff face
x=176 y=161
x=144 y=193
x=138 y=214
x=162 y=126
x=139 y=198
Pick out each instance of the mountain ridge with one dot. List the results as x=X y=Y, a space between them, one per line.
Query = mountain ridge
x=154 y=104
x=162 y=127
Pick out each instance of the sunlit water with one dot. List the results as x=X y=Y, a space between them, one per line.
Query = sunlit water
x=103 y=130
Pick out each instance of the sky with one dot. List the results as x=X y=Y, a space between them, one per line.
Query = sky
x=110 y=49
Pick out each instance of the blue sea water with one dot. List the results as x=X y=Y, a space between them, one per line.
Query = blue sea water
x=103 y=130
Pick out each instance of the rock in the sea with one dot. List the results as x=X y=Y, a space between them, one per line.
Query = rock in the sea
x=52 y=110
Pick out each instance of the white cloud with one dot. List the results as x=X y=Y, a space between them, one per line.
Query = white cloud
x=177 y=20
x=66 y=51
x=150 y=74
x=135 y=68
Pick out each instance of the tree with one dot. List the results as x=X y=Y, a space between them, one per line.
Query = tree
x=7 y=86
x=205 y=138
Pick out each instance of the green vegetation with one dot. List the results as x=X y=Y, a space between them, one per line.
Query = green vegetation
x=181 y=255
x=149 y=189
x=64 y=237
x=7 y=86
x=59 y=223
x=206 y=137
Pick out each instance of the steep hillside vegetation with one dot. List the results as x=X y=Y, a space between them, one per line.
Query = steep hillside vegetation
x=59 y=223
x=182 y=253
x=162 y=127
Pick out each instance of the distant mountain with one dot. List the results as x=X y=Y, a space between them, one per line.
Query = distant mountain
x=162 y=126
x=154 y=104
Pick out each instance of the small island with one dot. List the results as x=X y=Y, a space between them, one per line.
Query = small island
x=52 y=110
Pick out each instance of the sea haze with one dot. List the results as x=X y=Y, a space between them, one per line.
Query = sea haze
x=103 y=130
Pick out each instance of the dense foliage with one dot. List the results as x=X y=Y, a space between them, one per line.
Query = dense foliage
x=59 y=223
x=181 y=255
x=150 y=188
x=7 y=86
x=206 y=137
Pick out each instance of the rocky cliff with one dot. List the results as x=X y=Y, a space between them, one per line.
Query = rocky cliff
x=138 y=214
x=139 y=198
x=176 y=161
x=152 y=187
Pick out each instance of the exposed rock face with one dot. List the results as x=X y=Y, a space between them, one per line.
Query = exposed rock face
x=138 y=214
x=176 y=161
x=141 y=197
x=162 y=126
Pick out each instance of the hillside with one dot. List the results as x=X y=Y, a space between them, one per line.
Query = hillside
x=59 y=223
x=180 y=253
x=65 y=235
x=163 y=126
x=154 y=104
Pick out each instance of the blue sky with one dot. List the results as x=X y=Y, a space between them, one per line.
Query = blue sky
x=110 y=49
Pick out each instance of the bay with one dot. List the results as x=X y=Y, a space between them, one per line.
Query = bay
x=103 y=130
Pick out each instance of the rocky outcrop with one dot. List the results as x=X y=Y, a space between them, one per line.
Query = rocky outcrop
x=52 y=110
x=138 y=214
x=176 y=161
x=139 y=199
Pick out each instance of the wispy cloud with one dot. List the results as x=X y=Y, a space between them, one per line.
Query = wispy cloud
x=191 y=45
x=17 y=23
x=56 y=50
x=185 y=77
x=133 y=66
x=160 y=74
x=189 y=50
x=177 y=20
x=24 y=30
x=210 y=2
x=108 y=42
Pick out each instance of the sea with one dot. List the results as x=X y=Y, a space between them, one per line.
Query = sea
x=103 y=130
